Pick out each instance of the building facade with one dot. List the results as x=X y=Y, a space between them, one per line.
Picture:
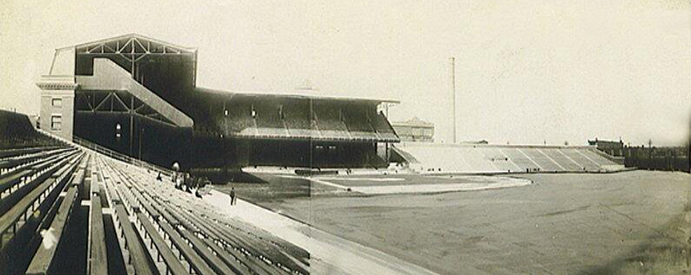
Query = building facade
x=415 y=130
x=57 y=105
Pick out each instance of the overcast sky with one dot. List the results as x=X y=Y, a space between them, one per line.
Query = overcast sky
x=527 y=71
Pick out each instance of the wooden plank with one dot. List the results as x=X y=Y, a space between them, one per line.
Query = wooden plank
x=174 y=266
x=201 y=248
x=114 y=196
x=46 y=252
x=47 y=162
x=98 y=256
x=196 y=262
x=78 y=178
x=8 y=182
x=70 y=158
x=137 y=252
x=19 y=209
x=256 y=265
x=94 y=182
x=240 y=242
x=9 y=179
x=231 y=261
x=23 y=151
x=147 y=205
x=12 y=162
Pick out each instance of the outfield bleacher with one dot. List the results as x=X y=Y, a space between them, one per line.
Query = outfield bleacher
x=491 y=159
x=65 y=209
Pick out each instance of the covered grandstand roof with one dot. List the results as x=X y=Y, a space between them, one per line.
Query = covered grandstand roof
x=294 y=116
x=299 y=94
x=142 y=44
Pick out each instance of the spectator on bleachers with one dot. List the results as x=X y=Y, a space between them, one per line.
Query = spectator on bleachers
x=197 y=194
x=233 y=200
x=197 y=182
x=178 y=182
x=176 y=169
x=187 y=182
x=158 y=178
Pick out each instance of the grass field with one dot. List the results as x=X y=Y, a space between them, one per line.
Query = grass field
x=631 y=222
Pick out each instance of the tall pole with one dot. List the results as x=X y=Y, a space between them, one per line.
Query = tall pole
x=131 y=111
x=453 y=95
x=141 y=132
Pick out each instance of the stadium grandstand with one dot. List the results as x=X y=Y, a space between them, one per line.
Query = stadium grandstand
x=498 y=159
x=65 y=209
x=138 y=96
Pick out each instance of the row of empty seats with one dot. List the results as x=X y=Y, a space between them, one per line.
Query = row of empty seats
x=72 y=212
x=504 y=159
x=319 y=123
x=183 y=234
x=67 y=210
x=31 y=186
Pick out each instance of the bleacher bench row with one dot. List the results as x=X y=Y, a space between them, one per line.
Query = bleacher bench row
x=64 y=210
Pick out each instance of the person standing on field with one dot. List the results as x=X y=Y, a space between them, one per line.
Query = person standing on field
x=233 y=200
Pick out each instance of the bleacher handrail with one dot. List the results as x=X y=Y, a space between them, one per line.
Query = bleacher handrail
x=119 y=156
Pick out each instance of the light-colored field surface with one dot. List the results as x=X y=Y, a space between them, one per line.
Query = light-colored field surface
x=629 y=222
x=414 y=184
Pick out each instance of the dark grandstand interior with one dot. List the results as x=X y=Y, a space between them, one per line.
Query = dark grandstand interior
x=230 y=129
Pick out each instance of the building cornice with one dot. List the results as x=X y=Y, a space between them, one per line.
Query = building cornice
x=57 y=85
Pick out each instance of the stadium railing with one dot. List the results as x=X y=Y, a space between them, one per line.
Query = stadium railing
x=119 y=156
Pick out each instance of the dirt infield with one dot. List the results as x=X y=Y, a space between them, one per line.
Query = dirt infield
x=561 y=224
x=416 y=184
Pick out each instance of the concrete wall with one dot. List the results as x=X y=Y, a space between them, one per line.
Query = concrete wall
x=65 y=111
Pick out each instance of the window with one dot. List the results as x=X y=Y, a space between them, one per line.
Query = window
x=56 y=102
x=118 y=128
x=56 y=123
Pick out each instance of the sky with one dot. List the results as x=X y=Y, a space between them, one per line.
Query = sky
x=527 y=71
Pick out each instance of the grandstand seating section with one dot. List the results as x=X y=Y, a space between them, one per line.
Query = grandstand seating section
x=427 y=157
x=324 y=121
x=16 y=132
x=67 y=210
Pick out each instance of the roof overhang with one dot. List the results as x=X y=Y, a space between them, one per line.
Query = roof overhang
x=297 y=94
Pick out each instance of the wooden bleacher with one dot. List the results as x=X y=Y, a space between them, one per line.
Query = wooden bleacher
x=203 y=240
x=66 y=209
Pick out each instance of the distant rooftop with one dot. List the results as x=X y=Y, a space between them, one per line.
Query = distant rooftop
x=415 y=121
